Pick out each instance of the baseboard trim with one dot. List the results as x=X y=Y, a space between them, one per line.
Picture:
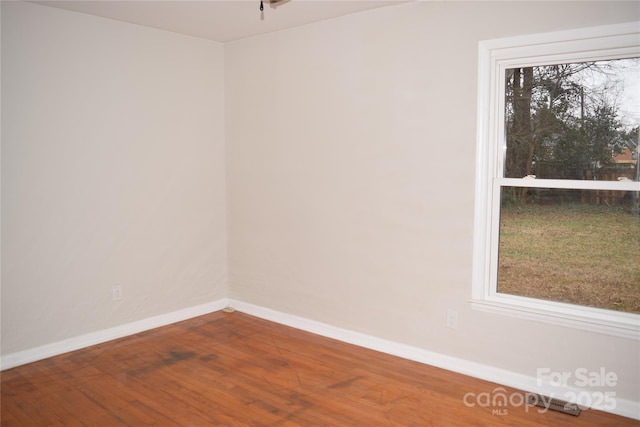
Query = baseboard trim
x=49 y=350
x=623 y=407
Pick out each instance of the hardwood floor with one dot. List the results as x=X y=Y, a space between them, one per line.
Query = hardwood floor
x=231 y=369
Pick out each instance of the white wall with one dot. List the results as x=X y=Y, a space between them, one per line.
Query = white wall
x=113 y=172
x=350 y=166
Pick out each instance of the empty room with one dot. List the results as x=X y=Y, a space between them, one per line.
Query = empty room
x=320 y=213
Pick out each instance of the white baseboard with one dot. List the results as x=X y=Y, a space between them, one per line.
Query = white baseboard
x=529 y=384
x=623 y=407
x=48 y=350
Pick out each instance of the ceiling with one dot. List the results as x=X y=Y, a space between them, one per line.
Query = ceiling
x=219 y=20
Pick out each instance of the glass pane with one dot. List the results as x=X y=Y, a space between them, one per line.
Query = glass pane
x=573 y=246
x=573 y=121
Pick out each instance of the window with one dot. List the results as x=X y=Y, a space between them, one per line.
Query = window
x=557 y=226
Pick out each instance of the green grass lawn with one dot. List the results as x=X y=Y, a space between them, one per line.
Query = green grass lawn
x=573 y=253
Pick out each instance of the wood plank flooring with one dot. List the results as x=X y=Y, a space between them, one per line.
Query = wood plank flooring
x=231 y=369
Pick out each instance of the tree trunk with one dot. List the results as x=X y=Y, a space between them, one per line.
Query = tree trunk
x=520 y=140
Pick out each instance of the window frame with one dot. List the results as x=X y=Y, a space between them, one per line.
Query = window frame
x=494 y=57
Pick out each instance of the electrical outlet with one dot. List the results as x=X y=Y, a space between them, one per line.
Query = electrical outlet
x=452 y=319
x=116 y=292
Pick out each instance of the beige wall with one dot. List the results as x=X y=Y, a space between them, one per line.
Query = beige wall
x=112 y=173
x=350 y=165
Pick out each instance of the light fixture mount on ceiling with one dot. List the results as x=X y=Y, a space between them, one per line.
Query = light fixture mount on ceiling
x=272 y=3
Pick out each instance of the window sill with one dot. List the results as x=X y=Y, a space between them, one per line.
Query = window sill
x=607 y=322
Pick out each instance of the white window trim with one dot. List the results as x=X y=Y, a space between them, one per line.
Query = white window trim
x=494 y=57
